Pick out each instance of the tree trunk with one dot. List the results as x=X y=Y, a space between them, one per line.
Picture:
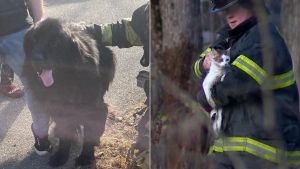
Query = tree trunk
x=290 y=20
x=176 y=42
x=177 y=38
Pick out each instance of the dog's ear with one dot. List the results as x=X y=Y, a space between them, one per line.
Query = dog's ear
x=85 y=54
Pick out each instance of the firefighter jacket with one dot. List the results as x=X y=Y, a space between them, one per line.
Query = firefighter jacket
x=127 y=33
x=250 y=96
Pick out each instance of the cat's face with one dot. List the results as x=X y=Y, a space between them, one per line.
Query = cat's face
x=221 y=57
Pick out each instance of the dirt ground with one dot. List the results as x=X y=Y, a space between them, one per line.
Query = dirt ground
x=117 y=139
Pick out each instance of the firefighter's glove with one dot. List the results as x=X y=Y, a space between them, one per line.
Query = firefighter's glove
x=140 y=24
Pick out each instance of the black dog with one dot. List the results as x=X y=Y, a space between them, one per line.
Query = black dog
x=69 y=74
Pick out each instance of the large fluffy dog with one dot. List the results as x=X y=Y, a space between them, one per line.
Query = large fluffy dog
x=69 y=74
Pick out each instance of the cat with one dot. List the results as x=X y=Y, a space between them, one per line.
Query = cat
x=216 y=73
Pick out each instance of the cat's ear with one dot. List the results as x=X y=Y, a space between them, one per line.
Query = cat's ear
x=214 y=52
x=228 y=51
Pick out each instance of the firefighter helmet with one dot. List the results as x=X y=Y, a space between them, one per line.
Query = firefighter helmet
x=220 y=5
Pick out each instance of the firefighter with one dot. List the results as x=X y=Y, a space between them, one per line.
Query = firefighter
x=250 y=91
x=129 y=32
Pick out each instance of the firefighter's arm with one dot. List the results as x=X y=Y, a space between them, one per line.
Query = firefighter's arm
x=197 y=68
x=127 y=33
x=244 y=80
x=119 y=34
x=198 y=71
x=198 y=74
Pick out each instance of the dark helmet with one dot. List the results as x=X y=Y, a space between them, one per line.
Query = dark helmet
x=220 y=5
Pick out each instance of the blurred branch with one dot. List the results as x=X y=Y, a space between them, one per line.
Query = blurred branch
x=183 y=96
x=268 y=66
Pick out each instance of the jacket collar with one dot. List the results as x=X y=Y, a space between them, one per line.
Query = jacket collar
x=242 y=28
x=238 y=31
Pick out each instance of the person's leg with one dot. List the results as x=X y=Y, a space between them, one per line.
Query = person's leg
x=12 y=46
x=7 y=86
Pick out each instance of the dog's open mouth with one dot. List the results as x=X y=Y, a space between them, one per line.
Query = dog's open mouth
x=46 y=76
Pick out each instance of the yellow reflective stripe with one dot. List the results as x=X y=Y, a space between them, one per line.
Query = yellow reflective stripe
x=284 y=80
x=256 y=148
x=251 y=141
x=249 y=150
x=197 y=70
x=131 y=36
x=197 y=64
x=205 y=52
x=106 y=34
x=259 y=75
x=251 y=68
x=293 y=153
x=217 y=102
x=265 y=156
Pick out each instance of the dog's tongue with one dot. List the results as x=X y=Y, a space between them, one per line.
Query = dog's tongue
x=47 y=77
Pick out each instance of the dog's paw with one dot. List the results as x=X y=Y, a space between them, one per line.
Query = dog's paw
x=57 y=160
x=83 y=160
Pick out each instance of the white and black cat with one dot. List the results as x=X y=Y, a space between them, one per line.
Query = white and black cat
x=216 y=73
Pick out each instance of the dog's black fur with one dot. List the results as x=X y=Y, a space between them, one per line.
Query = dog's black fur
x=82 y=72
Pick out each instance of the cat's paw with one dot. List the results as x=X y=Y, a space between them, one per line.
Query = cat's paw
x=216 y=130
x=211 y=102
x=222 y=78
x=217 y=122
x=213 y=114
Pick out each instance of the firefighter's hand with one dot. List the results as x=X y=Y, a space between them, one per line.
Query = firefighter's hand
x=207 y=61
x=140 y=23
